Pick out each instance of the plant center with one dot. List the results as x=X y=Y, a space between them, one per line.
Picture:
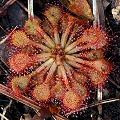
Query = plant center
x=58 y=54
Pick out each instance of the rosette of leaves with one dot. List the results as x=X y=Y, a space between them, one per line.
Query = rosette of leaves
x=57 y=59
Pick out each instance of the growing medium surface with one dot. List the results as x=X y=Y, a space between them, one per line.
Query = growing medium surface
x=57 y=59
